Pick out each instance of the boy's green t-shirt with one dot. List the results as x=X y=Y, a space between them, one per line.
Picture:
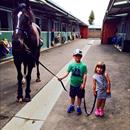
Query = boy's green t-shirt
x=77 y=71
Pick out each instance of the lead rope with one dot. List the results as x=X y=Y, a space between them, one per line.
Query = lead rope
x=30 y=53
x=85 y=108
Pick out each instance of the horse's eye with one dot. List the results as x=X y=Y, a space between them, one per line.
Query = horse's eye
x=26 y=17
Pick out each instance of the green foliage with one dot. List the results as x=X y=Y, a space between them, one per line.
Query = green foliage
x=91 y=18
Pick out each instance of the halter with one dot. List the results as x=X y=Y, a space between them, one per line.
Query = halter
x=23 y=31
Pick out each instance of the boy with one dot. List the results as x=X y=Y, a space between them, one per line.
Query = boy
x=77 y=81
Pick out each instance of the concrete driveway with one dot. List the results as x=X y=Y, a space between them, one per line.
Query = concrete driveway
x=117 y=108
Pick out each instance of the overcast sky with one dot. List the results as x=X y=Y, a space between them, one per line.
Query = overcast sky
x=82 y=8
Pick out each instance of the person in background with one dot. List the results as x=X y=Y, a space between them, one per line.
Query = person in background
x=78 y=79
x=101 y=87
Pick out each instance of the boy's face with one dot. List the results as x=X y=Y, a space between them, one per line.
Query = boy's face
x=77 y=58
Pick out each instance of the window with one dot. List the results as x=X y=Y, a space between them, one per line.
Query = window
x=4 y=20
x=44 y=25
x=37 y=21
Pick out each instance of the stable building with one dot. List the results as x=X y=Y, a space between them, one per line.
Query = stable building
x=57 y=25
x=116 y=25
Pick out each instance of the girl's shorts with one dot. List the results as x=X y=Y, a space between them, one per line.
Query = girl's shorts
x=76 y=91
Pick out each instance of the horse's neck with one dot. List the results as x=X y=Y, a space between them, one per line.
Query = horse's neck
x=36 y=29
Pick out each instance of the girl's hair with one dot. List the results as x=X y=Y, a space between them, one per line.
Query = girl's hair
x=100 y=65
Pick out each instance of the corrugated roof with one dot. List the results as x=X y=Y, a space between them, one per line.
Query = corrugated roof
x=54 y=5
x=118 y=8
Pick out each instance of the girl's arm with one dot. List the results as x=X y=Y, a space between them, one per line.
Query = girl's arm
x=108 y=83
x=94 y=86
x=84 y=81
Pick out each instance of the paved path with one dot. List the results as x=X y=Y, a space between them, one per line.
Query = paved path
x=53 y=116
x=50 y=58
x=117 y=108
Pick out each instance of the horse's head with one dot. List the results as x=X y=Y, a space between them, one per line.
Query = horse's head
x=22 y=23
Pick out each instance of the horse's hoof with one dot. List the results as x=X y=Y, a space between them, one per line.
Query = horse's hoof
x=26 y=100
x=19 y=100
x=38 y=80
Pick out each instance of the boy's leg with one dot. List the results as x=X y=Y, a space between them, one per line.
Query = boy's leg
x=80 y=95
x=71 y=106
x=79 y=101
x=79 y=111
x=72 y=100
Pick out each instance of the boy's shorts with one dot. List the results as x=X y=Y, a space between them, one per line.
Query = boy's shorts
x=76 y=91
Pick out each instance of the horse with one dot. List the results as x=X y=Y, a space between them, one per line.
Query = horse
x=37 y=63
x=25 y=47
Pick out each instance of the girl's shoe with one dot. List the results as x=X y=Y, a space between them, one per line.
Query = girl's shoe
x=101 y=112
x=97 y=112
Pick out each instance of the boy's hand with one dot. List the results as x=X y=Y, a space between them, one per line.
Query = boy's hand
x=82 y=86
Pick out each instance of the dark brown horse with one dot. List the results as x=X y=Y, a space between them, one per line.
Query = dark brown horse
x=25 y=47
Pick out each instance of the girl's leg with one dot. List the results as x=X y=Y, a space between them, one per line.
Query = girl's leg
x=102 y=107
x=103 y=103
x=98 y=105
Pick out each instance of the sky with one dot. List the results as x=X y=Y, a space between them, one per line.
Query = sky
x=81 y=9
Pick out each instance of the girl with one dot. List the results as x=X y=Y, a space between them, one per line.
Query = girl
x=101 y=87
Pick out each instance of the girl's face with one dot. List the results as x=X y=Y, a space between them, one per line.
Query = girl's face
x=77 y=58
x=99 y=70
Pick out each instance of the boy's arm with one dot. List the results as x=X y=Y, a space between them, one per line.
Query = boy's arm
x=64 y=76
x=84 y=81
x=108 y=83
x=66 y=73
x=94 y=86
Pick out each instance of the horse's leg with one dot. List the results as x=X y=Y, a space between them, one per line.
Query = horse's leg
x=19 y=78
x=28 y=79
x=24 y=70
x=37 y=64
x=38 y=73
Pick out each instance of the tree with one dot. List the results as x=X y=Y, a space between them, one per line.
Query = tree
x=91 y=18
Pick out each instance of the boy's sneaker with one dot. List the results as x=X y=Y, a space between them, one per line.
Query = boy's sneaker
x=97 y=112
x=79 y=112
x=70 y=109
x=101 y=112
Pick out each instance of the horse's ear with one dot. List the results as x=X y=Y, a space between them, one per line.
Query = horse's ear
x=26 y=2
